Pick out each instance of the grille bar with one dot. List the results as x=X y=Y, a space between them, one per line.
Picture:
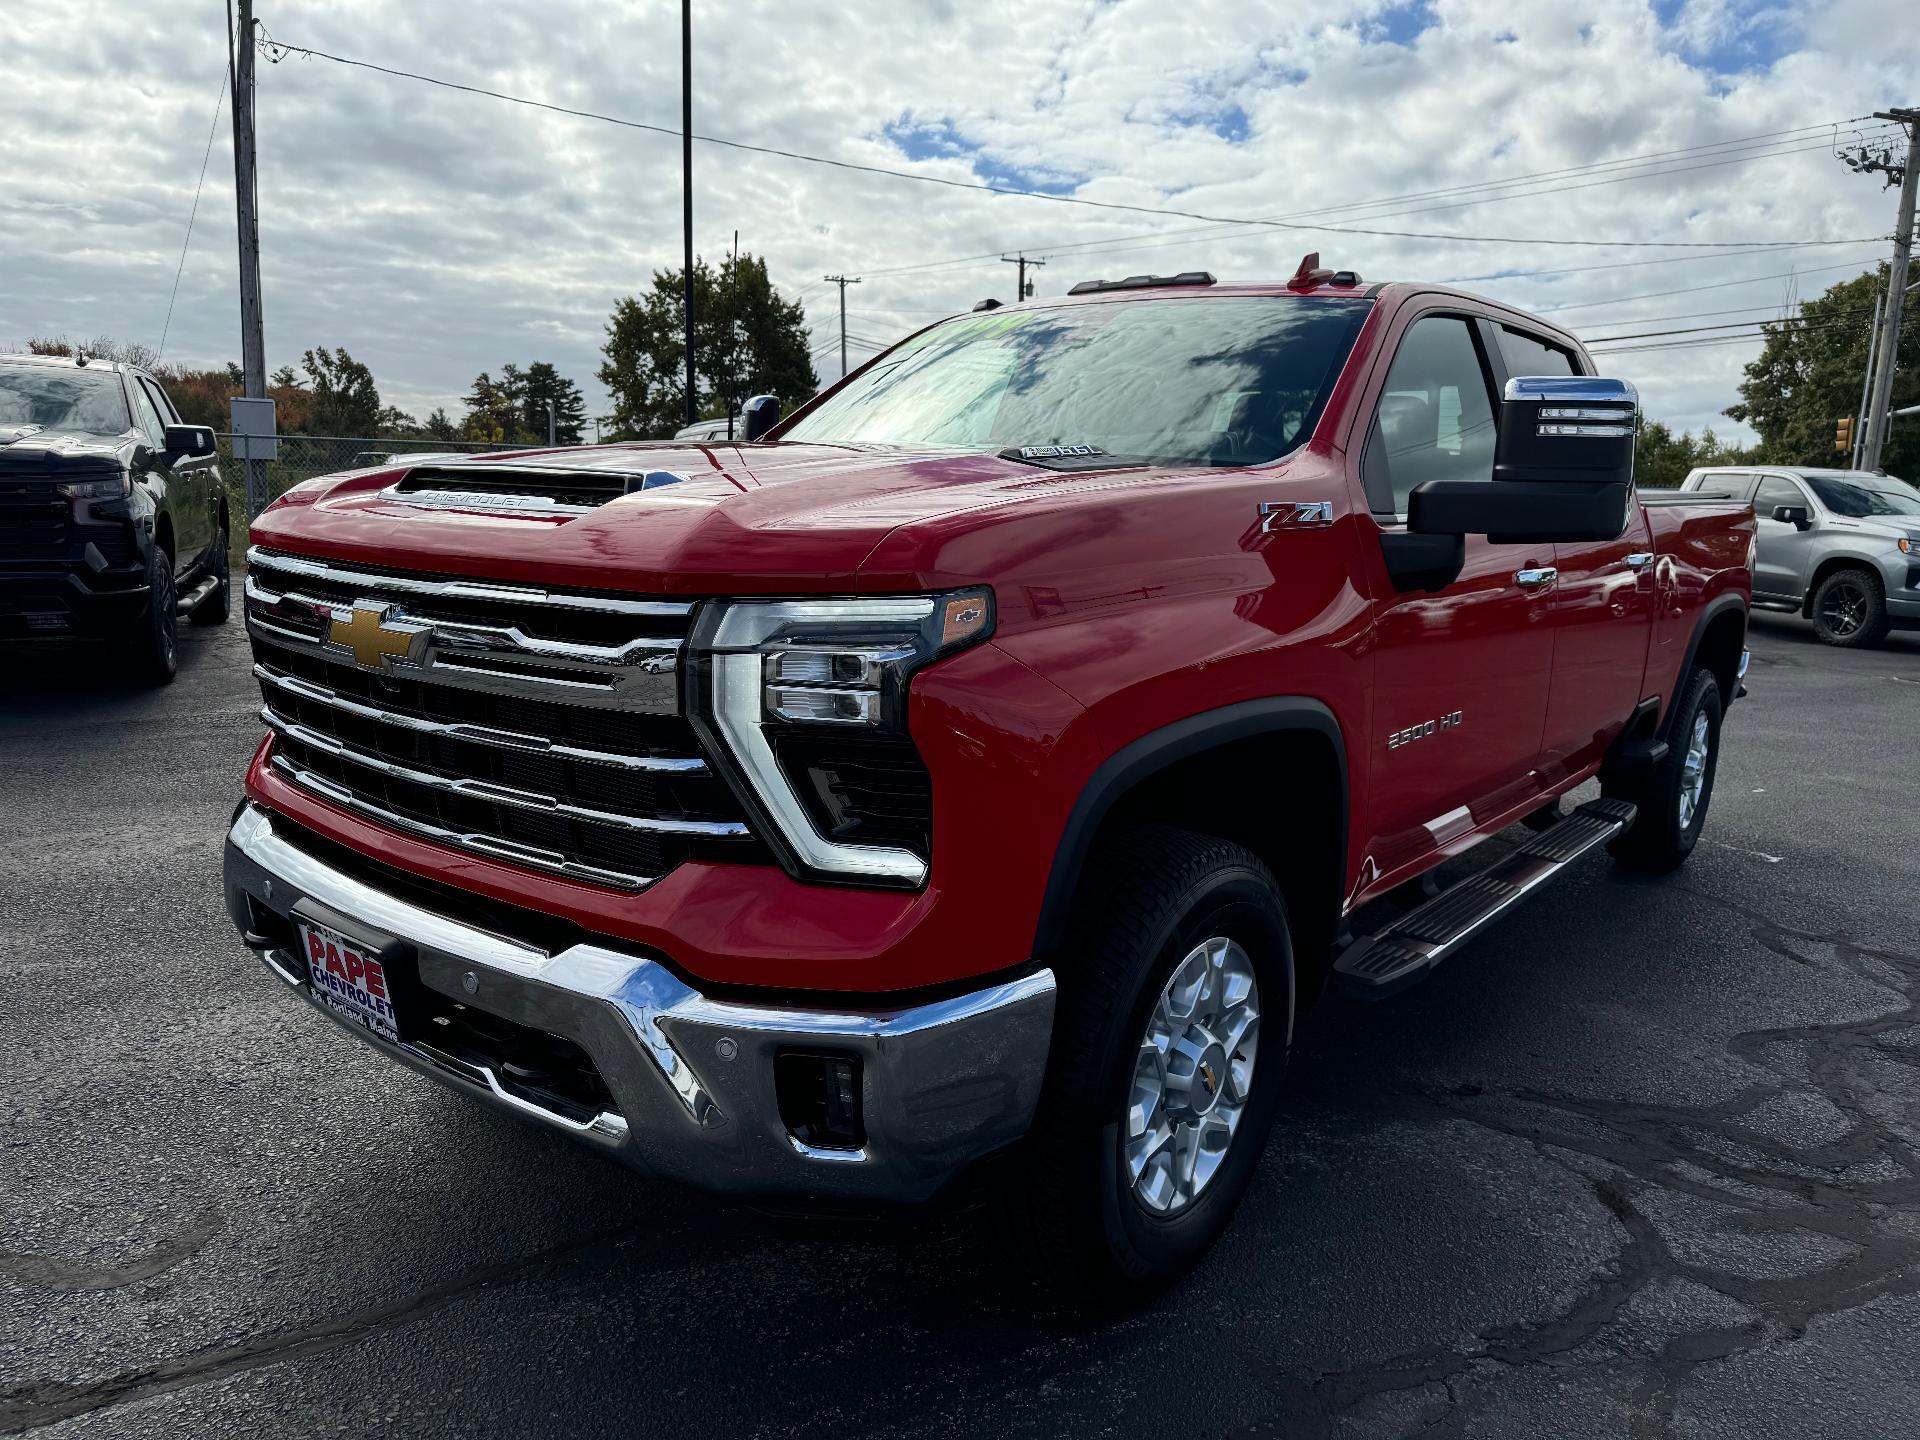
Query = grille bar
x=486 y=844
x=500 y=794
x=467 y=635
x=370 y=580
x=475 y=734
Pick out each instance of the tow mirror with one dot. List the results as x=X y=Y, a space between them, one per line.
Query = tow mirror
x=759 y=415
x=190 y=442
x=1798 y=516
x=1562 y=467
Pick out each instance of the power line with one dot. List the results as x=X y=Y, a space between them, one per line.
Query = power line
x=1093 y=246
x=1695 y=289
x=1849 y=312
x=1814 y=325
x=192 y=211
x=277 y=50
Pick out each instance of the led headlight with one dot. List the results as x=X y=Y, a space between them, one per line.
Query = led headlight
x=806 y=681
x=111 y=489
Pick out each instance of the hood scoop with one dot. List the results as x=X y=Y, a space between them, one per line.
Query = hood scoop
x=523 y=489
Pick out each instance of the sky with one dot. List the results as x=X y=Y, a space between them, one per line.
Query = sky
x=435 y=233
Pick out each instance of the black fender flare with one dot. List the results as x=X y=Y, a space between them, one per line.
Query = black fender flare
x=1157 y=750
x=1712 y=611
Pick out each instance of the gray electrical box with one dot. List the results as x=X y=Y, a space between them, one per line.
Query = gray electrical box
x=254 y=435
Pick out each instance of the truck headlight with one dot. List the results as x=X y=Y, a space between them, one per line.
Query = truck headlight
x=1905 y=544
x=793 y=696
x=111 y=489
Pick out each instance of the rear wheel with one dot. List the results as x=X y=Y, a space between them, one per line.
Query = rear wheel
x=1175 y=1010
x=1672 y=796
x=1850 y=609
x=152 y=651
x=218 y=603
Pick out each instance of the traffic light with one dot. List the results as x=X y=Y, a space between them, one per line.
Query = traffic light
x=1843 y=434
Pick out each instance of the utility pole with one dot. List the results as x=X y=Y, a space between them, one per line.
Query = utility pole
x=686 y=185
x=1907 y=176
x=1866 y=384
x=552 y=427
x=842 y=281
x=1021 y=290
x=253 y=343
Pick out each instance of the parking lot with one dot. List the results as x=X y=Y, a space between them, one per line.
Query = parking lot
x=1644 y=1160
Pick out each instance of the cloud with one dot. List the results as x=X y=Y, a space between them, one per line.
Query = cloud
x=436 y=234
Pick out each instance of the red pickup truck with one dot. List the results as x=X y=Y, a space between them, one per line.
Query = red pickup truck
x=990 y=760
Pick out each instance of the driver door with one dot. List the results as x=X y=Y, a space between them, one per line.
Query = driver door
x=1461 y=677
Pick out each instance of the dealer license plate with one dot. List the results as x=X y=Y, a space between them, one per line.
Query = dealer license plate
x=348 y=980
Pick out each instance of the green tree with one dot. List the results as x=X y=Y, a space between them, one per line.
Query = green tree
x=1661 y=459
x=747 y=341
x=438 y=427
x=544 y=384
x=345 y=399
x=493 y=408
x=1809 y=373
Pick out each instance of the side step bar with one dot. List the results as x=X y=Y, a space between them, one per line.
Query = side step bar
x=185 y=603
x=1377 y=965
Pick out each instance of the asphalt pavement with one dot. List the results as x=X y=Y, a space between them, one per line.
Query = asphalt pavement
x=1645 y=1160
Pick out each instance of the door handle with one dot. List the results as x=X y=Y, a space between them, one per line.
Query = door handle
x=1639 y=559
x=1536 y=577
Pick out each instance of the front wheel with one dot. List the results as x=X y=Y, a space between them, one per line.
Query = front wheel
x=1175 y=1011
x=1672 y=796
x=1850 y=609
x=152 y=652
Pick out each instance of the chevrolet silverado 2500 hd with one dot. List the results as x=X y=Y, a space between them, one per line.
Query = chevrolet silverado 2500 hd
x=992 y=758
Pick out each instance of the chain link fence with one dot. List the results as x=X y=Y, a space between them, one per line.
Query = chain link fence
x=304 y=456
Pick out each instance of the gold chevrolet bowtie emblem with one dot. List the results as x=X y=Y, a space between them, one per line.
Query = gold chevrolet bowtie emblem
x=375 y=641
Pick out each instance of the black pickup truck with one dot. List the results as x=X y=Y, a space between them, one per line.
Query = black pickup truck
x=113 y=516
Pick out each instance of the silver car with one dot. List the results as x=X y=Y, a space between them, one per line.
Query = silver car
x=1841 y=547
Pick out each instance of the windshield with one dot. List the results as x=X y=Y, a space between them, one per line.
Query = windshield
x=1857 y=501
x=1227 y=380
x=57 y=397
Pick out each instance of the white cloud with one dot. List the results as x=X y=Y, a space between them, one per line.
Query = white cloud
x=435 y=234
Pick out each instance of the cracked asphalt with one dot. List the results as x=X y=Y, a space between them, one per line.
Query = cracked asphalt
x=1644 y=1161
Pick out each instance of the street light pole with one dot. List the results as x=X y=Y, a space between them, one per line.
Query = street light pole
x=686 y=184
x=552 y=429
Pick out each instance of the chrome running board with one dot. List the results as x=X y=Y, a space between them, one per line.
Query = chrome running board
x=1377 y=965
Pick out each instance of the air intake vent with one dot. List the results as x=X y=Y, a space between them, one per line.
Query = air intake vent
x=535 y=489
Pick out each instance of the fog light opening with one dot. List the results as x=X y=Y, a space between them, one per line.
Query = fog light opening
x=819 y=1099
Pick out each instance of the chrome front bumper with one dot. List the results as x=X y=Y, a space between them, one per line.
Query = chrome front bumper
x=942 y=1084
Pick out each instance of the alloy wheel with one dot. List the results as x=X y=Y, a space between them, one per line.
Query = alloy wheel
x=1193 y=1075
x=1693 y=771
x=1843 y=609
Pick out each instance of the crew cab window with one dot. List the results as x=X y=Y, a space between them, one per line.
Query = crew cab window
x=1775 y=491
x=149 y=416
x=1526 y=355
x=1197 y=381
x=160 y=401
x=1435 y=418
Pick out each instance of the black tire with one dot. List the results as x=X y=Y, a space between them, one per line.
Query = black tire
x=1152 y=896
x=218 y=604
x=1850 y=609
x=153 y=655
x=1660 y=840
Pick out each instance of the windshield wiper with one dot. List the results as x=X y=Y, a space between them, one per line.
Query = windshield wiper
x=1070 y=457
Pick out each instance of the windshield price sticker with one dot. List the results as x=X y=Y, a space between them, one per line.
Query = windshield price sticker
x=348 y=981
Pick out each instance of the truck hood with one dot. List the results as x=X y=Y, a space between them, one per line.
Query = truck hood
x=33 y=450
x=741 y=519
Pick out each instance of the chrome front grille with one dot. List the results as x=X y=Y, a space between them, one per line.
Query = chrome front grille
x=534 y=725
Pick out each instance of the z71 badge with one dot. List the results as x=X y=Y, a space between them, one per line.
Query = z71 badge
x=1294 y=514
x=1425 y=728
